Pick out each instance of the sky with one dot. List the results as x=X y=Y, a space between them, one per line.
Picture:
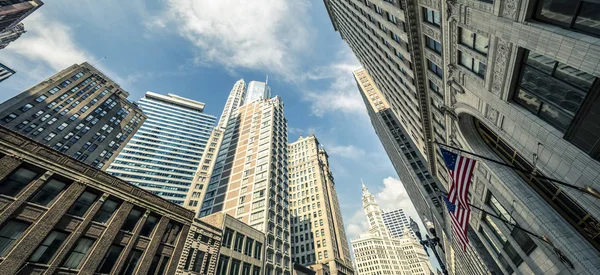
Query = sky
x=199 y=48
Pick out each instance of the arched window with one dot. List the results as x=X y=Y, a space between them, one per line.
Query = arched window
x=587 y=225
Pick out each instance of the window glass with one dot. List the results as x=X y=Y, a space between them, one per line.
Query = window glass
x=588 y=17
x=14 y=183
x=44 y=253
x=45 y=195
x=10 y=233
x=552 y=90
x=110 y=259
x=149 y=225
x=131 y=262
x=198 y=260
x=239 y=241
x=163 y=266
x=82 y=204
x=132 y=219
x=106 y=211
x=222 y=266
x=79 y=253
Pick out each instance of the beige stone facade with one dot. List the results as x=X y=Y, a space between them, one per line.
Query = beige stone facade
x=60 y=216
x=201 y=249
x=318 y=234
x=249 y=179
x=242 y=249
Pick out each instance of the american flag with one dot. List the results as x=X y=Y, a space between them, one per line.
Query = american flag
x=460 y=169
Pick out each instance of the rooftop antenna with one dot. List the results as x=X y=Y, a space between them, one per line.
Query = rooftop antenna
x=267 y=81
x=98 y=61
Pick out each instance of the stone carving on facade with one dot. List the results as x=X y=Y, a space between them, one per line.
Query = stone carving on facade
x=509 y=9
x=452 y=10
x=453 y=134
x=429 y=31
x=500 y=64
x=491 y=114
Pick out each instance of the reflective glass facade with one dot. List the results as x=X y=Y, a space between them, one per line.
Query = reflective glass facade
x=165 y=153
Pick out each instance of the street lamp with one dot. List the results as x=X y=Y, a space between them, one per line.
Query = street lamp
x=429 y=242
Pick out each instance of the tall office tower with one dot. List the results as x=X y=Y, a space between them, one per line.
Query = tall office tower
x=377 y=252
x=496 y=78
x=318 y=235
x=162 y=157
x=249 y=179
x=13 y=11
x=257 y=90
x=5 y=72
x=78 y=111
x=195 y=195
x=395 y=221
x=11 y=34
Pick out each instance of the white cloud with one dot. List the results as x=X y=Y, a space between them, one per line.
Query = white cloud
x=346 y=151
x=48 y=41
x=268 y=35
x=357 y=224
x=341 y=93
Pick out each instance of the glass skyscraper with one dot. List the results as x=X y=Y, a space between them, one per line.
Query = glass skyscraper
x=164 y=154
x=257 y=90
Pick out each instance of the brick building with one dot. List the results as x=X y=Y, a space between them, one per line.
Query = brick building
x=60 y=216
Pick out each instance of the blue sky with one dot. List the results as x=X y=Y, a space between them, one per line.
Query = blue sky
x=199 y=48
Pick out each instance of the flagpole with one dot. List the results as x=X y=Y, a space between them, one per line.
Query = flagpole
x=544 y=239
x=585 y=189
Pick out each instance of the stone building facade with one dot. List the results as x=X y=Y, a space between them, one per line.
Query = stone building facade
x=318 y=234
x=60 y=216
x=512 y=80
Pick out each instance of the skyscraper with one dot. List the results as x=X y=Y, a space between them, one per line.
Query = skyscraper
x=396 y=222
x=13 y=11
x=195 y=196
x=514 y=81
x=5 y=72
x=11 y=34
x=164 y=154
x=78 y=111
x=377 y=252
x=249 y=178
x=257 y=90
x=318 y=235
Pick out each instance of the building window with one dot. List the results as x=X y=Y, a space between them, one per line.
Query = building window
x=435 y=69
x=239 y=241
x=10 y=117
x=248 y=246
x=110 y=259
x=171 y=233
x=235 y=267
x=431 y=16
x=433 y=45
x=581 y=15
x=44 y=253
x=10 y=233
x=82 y=204
x=257 y=250
x=472 y=64
x=106 y=211
x=474 y=41
x=198 y=260
x=222 y=266
x=79 y=253
x=132 y=220
x=131 y=262
x=26 y=107
x=18 y=180
x=227 y=237
x=552 y=90
x=149 y=225
x=45 y=195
